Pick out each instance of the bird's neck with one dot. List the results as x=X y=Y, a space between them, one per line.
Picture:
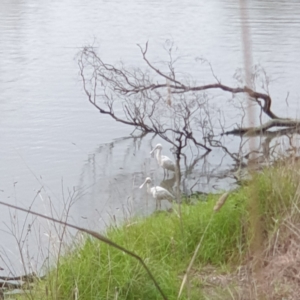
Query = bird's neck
x=148 y=188
x=158 y=155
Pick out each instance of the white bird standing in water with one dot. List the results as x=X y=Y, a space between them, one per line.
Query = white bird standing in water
x=157 y=192
x=164 y=161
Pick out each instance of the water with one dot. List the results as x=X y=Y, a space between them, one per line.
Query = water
x=54 y=141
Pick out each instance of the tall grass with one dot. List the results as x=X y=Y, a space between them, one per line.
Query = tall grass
x=276 y=188
x=101 y=272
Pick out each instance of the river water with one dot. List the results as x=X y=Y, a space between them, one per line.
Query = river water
x=55 y=146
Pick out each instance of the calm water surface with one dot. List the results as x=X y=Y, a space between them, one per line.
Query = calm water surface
x=54 y=142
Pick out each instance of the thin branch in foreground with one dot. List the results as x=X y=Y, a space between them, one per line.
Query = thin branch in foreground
x=185 y=277
x=97 y=236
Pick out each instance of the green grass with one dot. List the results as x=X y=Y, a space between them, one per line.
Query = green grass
x=167 y=242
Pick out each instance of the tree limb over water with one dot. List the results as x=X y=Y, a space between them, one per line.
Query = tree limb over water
x=156 y=101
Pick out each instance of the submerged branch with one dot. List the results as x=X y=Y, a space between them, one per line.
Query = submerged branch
x=292 y=126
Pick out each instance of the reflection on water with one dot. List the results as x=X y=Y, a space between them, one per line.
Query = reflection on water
x=110 y=179
x=168 y=184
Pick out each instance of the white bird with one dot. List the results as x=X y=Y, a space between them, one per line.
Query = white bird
x=157 y=192
x=164 y=161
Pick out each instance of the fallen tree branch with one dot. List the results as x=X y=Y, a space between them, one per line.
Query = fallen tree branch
x=253 y=131
x=156 y=100
x=27 y=278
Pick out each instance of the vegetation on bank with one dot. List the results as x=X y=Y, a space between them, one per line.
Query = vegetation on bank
x=251 y=228
x=166 y=241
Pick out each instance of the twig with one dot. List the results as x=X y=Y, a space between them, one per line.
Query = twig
x=185 y=277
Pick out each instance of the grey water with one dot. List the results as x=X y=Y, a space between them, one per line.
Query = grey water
x=56 y=148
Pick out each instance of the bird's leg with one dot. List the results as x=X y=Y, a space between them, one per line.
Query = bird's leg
x=164 y=173
x=156 y=204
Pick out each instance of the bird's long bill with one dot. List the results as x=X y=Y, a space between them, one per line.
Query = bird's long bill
x=143 y=184
x=153 y=150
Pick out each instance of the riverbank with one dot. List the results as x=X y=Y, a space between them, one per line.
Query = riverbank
x=248 y=249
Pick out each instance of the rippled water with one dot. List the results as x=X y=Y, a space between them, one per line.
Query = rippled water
x=52 y=139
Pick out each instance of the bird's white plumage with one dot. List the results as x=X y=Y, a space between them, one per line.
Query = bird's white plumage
x=164 y=161
x=157 y=192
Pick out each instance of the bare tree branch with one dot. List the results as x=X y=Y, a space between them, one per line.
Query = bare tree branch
x=156 y=101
